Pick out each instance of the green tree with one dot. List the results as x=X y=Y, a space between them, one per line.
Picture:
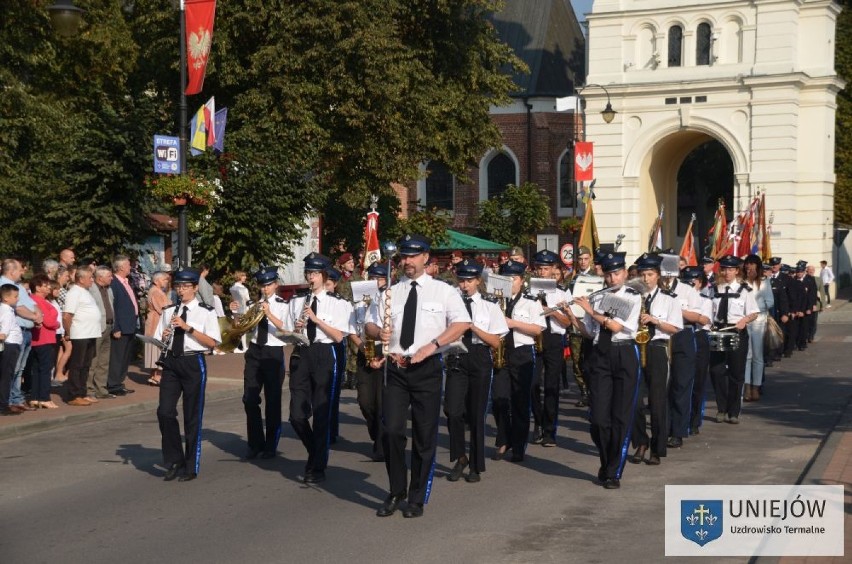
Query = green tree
x=432 y=223
x=515 y=216
x=843 y=119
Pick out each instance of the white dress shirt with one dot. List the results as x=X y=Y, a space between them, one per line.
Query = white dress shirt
x=527 y=310
x=438 y=305
x=487 y=317
x=280 y=309
x=667 y=309
x=9 y=325
x=200 y=317
x=740 y=305
x=629 y=325
x=331 y=309
x=687 y=295
x=554 y=298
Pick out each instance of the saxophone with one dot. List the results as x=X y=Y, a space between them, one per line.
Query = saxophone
x=499 y=353
x=539 y=339
x=642 y=337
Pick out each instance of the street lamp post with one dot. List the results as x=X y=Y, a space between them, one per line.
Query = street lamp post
x=183 y=243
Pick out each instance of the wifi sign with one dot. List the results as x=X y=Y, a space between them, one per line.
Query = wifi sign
x=166 y=154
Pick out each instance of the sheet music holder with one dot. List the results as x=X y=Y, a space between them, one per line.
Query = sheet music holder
x=151 y=341
x=545 y=285
x=361 y=288
x=291 y=338
x=497 y=282
x=583 y=286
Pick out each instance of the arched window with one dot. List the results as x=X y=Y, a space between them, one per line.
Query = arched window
x=702 y=44
x=501 y=173
x=439 y=186
x=675 y=46
x=567 y=192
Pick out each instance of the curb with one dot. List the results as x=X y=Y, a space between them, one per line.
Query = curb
x=103 y=414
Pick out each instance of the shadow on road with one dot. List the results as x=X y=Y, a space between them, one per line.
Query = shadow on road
x=142 y=458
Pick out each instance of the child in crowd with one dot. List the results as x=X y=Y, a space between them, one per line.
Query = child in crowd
x=11 y=339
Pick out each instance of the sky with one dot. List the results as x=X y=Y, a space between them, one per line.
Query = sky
x=581 y=7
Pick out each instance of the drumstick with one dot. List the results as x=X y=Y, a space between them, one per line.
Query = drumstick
x=728 y=328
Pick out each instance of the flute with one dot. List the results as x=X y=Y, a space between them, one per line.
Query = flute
x=561 y=306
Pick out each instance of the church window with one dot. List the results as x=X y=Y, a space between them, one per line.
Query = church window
x=439 y=186
x=501 y=173
x=675 y=46
x=703 y=44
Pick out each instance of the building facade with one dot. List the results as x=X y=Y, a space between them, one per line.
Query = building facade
x=755 y=77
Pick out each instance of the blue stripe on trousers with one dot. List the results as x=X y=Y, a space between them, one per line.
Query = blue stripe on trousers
x=203 y=366
x=626 y=444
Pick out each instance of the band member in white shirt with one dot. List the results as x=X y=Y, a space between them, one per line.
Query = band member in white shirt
x=325 y=320
x=733 y=306
x=662 y=318
x=512 y=388
x=264 y=369
x=424 y=314
x=469 y=374
x=611 y=321
x=195 y=329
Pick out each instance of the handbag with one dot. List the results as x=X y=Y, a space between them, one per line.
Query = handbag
x=773 y=337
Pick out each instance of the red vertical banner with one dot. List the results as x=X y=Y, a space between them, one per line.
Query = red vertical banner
x=199 y=38
x=584 y=161
x=371 y=240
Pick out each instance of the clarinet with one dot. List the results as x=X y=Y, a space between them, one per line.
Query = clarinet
x=168 y=344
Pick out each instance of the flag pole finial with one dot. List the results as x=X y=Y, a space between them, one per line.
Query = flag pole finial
x=374 y=202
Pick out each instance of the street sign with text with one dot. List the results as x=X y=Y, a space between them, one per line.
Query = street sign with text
x=166 y=154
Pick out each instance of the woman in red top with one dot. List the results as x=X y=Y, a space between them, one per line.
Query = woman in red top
x=44 y=343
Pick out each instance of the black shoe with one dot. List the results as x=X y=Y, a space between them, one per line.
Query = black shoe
x=548 y=442
x=314 y=477
x=172 y=472
x=251 y=454
x=413 y=510
x=674 y=442
x=639 y=455
x=694 y=431
x=612 y=484
x=537 y=436
x=457 y=471
x=497 y=455
x=390 y=505
x=118 y=392
x=377 y=457
x=653 y=460
x=472 y=477
x=267 y=454
x=188 y=477
x=517 y=458
x=601 y=476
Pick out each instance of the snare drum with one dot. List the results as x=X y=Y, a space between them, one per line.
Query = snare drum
x=723 y=341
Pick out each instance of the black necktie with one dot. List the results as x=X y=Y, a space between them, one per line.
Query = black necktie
x=263 y=331
x=409 y=318
x=605 y=339
x=649 y=299
x=177 y=342
x=312 y=326
x=543 y=300
x=510 y=307
x=722 y=315
x=467 y=338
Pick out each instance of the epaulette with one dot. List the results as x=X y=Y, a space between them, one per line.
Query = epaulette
x=746 y=287
x=489 y=298
x=563 y=287
x=704 y=296
x=666 y=292
x=336 y=295
x=206 y=306
x=630 y=290
x=280 y=300
x=531 y=297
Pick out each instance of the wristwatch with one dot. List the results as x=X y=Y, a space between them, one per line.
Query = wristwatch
x=190 y=331
x=436 y=343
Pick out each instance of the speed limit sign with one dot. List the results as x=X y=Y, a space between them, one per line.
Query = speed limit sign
x=566 y=253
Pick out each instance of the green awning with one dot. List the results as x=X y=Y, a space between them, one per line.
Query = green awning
x=464 y=242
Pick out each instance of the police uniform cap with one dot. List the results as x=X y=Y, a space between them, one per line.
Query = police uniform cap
x=785 y=268
x=378 y=269
x=610 y=262
x=545 y=258
x=190 y=275
x=649 y=261
x=730 y=261
x=333 y=274
x=316 y=262
x=801 y=266
x=707 y=260
x=512 y=268
x=266 y=275
x=411 y=245
x=775 y=261
x=690 y=273
x=468 y=269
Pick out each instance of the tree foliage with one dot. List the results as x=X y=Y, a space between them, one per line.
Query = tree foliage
x=843 y=121
x=515 y=216
x=432 y=223
x=329 y=101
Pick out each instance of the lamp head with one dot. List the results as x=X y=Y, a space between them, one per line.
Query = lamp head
x=65 y=17
x=608 y=114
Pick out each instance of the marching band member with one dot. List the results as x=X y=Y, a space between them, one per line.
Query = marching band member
x=193 y=329
x=264 y=368
x=512 y=388
x=580 y=346
x=425 y=314
x=326 y=320
x=695 y=276
x=682 y=360
x=469 y=374
x=340 y=353
x=613 y=367
x=549 y=370
x=733 y=305
x=662 y=318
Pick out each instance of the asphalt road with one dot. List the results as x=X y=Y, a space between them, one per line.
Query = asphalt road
x=93 y=492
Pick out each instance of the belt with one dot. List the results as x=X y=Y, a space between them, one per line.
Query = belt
x=623 y=343
x=659 y=343
x=399 y=361
x=186 y=353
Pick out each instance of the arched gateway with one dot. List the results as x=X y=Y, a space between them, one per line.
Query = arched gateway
x=714 y=99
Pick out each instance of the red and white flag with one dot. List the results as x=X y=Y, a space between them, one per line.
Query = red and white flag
x=372 y=252
x=199 y=38
x=584 y=161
